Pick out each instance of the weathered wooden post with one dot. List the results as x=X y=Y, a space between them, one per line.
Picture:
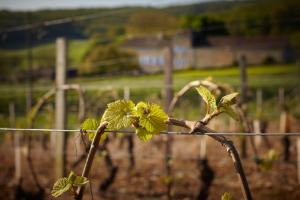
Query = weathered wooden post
x=60 y=107
x=244 y=89
x=283 y=111
x=283 y=124
x=243 y=78
x=168 y=70
x=16 y=136
x=29 y=65
x=129 y=137
x=202 y=138
x=257 y=121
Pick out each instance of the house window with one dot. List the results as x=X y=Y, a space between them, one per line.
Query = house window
x=179 y=62
x=151 y=60
x=179 y=49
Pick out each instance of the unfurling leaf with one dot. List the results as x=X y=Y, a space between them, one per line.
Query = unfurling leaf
x=266 y=165
x=119 y=114
x=143 y=134
x=64 y=184
x=61 y=186
x=72 y=176
x=90 y=124
x=228 y=100
x=267 y=162
x=80 y=180
x=272 y=155
x=151 y=117
x=229 y=110
x=208 y=98
x=226 y=196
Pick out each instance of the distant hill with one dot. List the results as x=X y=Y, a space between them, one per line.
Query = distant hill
x=113 y=17
x=242 y=18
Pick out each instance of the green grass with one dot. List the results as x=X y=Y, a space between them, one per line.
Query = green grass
x=45 y=54
x=259 y=77
x=266 y=77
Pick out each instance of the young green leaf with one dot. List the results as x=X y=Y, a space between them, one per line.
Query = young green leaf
x=80 y=180
x=119 y=114
x=272 y=155
x=72 y=176
x=266 y=165
x=228 y=100
x=151 y=117
x=208 y=98
x=90 y=124
x=61 y=186
x=143 y=134
x=229 y=111
x=226 y=196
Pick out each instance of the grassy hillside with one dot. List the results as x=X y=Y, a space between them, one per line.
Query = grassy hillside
x=102 y=90
x=269 y=77
x=44 y=55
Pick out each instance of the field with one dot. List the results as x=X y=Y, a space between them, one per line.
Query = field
x=267 y=78
x=148 y=180
x=44 y=55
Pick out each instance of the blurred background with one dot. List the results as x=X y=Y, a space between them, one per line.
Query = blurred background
x=63 y=61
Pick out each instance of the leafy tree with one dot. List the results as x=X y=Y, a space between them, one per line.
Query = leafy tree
x=151 y=21
x=207 y=25
x=107 y=59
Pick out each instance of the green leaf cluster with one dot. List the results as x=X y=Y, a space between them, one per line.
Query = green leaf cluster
x=223 y=106
x=147 y=118
x=267 y=162
x=119 y=114
x=66 y=184
x=226 y=196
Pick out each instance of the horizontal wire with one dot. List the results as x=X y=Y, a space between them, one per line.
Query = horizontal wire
x=61 y=21
x=161 y=132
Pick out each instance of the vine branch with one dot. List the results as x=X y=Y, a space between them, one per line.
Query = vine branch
x=198 y=126
x=90 y=158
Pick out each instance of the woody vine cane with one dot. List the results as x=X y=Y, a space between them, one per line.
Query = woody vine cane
x=149 y=120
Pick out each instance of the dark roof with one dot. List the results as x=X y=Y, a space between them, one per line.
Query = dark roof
x=200 y=40
x=248 y=42
x=146 y=42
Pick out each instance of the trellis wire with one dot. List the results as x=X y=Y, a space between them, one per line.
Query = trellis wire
x=133 y=132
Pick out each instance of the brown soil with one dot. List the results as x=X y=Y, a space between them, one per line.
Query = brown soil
x=146 y=180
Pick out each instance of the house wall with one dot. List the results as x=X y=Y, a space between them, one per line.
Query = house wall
x=151 y=60
x=212 y=57
x=225 y=56
x=259 y=56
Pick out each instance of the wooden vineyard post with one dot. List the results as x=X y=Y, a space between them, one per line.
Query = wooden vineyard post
x=168 y=70
x=284 y=126
x=243 y=98
x=298 y=159
x=29 y=65
x=16 y=136
x=257 y=121
x=283 y=113
x=60 y=107
x=129 y=138
x=203 y=138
